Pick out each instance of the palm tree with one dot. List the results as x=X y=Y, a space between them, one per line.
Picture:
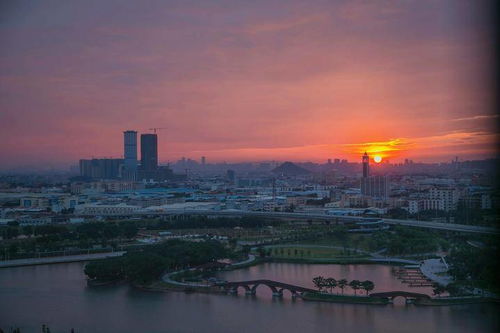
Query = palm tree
x=342 y=284
x=319 y=282
x=355 y=285
x=367 y=286
x=331 y=283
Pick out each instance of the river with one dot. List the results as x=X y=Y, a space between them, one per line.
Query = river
x=57 y=295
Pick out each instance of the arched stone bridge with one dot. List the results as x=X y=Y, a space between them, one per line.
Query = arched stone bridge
x=391 y=295
x=276 y=287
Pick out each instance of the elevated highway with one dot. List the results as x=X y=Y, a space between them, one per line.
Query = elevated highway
x=324 y=217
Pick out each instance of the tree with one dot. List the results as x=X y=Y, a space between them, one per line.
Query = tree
x=12 y=232
x=28 y=230
x=233 y=242
x=397 y=213
x=342 y=284
x=355 y=285
x=331 y=283
x=319 y=282
x=261 y=252
x=438 y=290
x=453 y=289
x=144 y=267
x=13 y=249
x=367 y=286
x=105 y=270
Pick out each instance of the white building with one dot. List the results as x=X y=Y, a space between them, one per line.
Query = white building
x=486 y=201
x=413 y=206
x=433 y=205
x=449 y=196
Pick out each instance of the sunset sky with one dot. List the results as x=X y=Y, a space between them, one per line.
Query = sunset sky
x=246 y=80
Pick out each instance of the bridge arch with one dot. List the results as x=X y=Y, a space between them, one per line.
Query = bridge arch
x=274 y=290
x=408 y=296
x=277 y=288
x=293 y=293
x=245 y=287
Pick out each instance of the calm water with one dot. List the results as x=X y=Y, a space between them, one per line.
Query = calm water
x=58 y=296
x=300 y=274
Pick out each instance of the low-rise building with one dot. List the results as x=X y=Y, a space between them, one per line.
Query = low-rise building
x=106 y=210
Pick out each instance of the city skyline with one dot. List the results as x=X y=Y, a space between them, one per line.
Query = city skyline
x=375 y=154
x=238 y=82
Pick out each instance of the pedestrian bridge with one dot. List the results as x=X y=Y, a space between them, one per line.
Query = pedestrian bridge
x=276 y=287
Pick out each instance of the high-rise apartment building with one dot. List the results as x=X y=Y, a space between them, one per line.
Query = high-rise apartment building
x=130 y=155
x=375 y=186
x=149 y=152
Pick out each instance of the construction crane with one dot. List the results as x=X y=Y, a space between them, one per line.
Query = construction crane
x=154 y=129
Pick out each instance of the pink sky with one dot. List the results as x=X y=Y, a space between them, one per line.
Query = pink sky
x=246 y=80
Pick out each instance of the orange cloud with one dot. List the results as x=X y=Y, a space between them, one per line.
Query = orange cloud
x=386 y=149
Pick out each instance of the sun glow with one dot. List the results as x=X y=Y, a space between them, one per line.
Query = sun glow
x=377 y=158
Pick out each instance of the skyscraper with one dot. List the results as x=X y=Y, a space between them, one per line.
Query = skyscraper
x=366 y=165
x=130 y=155
x=149 y=152
x=373 y=186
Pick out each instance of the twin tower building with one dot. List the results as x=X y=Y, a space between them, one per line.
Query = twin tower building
x=129 y=168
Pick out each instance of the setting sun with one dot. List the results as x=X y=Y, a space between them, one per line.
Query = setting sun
x=377 y=158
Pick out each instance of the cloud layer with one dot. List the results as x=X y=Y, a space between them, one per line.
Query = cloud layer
x=240 y=80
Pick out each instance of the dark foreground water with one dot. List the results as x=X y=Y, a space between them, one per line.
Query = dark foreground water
x=57 y=295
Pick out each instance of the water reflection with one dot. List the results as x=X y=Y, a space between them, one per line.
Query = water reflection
x=302 y=275
x=58 y=296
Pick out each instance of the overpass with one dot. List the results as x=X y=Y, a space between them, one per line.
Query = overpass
x=443 y=226
x=322 y=217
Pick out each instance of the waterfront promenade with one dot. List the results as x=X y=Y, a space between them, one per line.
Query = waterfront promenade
x=59 y=259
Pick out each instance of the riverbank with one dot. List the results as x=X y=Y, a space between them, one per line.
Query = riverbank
x=337 y=261
x=440 y=301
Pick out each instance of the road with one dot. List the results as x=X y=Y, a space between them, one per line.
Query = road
x=58 y=260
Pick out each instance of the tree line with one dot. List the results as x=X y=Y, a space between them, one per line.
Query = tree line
x=322 y=283
x=147 y=264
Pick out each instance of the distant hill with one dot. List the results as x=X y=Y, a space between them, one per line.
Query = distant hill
x=290 y=169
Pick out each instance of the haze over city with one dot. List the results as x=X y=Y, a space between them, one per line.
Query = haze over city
x=238 y=81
